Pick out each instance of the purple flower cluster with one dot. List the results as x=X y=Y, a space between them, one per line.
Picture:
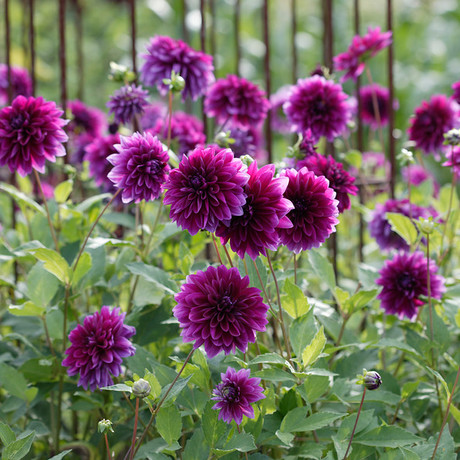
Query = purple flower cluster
x=98 y=348
x=21 y=83
x=278 y=118
x=404 y=280
x=353 y=61
x=140 y=167
x=319 y=105
x=236 y=101
x=165 y=55
x=368 y=113
x=315 y=212
x=127 y=102
x=31 y=132
x=218 y=309
x=235 y=394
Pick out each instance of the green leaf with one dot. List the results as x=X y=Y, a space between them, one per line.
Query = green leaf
x=323 y=268
x=295 y=302
x=61 y=455
x=312 y=351
x=268 y=358
x=6 y=434
x=275 y=375
x=302 y=331
x=297 y=420
x=176 y=389
x=26 y=309
x=387 y=436
x=169 y=424
x=54 y=263
x=54 y=320
x=19 y=448
x=88 y=203
x=154 y=275
x=213 y=429
x=41 y=285
x=403 y=226
x=62 y=191
x=118 y=387
x=22 y=198
x=196 y=447
x=13 y=381
x=155 y=387
x=354 y=158
x=84 y=265
x=284 y=437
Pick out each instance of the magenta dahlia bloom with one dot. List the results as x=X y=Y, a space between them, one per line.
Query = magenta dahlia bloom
x=368 y=112
x=264 y=213
x=453 y=160
x=187 y=132
x=96 y=155
x=278 y=119
x=31 y=132
x=431 y=120
x=339 y=179
x=456 y=95
x=98 y=348
x=127 y=102
x=315 y=212
x=308 y=145
x=235 y=394
x=206 y=188
x=361 y=48
x=86 y=119
x=380 y=227
x=140 y=167
x=218 y=309
x=319 y=105
x=236 y=101
x=153 y=113
x=165 y=55
x=21 y=83
x=404 y=280
x=246 y=141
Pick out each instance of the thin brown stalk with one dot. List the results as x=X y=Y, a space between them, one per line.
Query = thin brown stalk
x=356 y=423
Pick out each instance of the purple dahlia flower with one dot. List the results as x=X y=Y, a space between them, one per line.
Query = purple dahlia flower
x=127 y=102
x=206 y=188
x=236 y=101
x=339 y=179
x=86 y=119
x=264 y=213
x=31 y=132
x=368 y=112
x=98 y=347
x=247 y=141
x=278 y=119
x=186 y=132
x=315 y=212
x=319 y=105
x=235 y=394
x=153 y=113
x=380 y=228
x=140 y=167
x=308 y=145
x=218 y=309
x=21 y=83
x=404 y=280
x=456 y=95
x=360 y=49
x=431 y=120
x=165 y=55
x=96 y=155
x=453 y=160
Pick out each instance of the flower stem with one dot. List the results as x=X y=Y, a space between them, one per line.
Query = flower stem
x=356 y=423
x=136 y=416
x=109 y=455
x=154 y=413
x=170 y=103
x=228 y=255
x=263 y=289
x=217 y=250
x=446 y=415
x=53 y=234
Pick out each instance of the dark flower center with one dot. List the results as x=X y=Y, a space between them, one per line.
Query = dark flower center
x=153 y=167
x=231 y=393
x=248 y=212
x=17 y=121
x=197 y=181
x=225 y=304
x=406 y=282
x=300 y=206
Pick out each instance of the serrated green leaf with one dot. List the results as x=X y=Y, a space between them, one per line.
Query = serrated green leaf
x=295 y=302
x=403 y=226
x=26 y=309
x=268 y=358
x=54 y=263
x=284 y=437
x=169 y=424
x=7 y=435
x=323 y=268
x=302 y=331
x=19 y=448
x=41 y=285
x=196 y=447
x=176 y=389
x=314 y=349
x=213 y=429
x=22 y=198
x=84 y=265
x=63 y=190
x=387 y=436
x=242 y=442
x=155 y=387
x=297 y=420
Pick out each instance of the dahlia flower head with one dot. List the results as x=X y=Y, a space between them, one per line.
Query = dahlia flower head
x=353 y=61
x=415 y=174
x=456 y=95
x=453 y=160
x=236 y=101
x=308 y=145
x=218 y=309
x=140 y=167
x=127 y=102
x=319 y=105
x=96 y=154
x=236 y=394
x=31 y=132
x=404 y=280
x=86 y=119
x=368 y=113
x=431 y=120
x=246 y=141
x=98 y=348
x=380 y=227
x=315 y=212
x=21 y=83
x=165 y=55
x=278 y=119
x=187 y=132
x=152 y=113
x=339 y=179
x=206 y=188
x=264 y=213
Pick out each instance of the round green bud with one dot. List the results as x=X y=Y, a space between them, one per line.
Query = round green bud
x=426 y=226
x=104 y=426
x=141 y=388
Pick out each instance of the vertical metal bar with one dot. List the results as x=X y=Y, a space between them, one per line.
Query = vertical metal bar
x=237 y=37
x=293 y=38
x=79 y=44
x=132 y=13
x=391 y=143
x=32 y=43
x=212 y=4
x=8 y=50
x=268 y=128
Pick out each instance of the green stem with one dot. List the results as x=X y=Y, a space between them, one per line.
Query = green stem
x=136 y=416
x=109 y=455
x=170 y=102
x=217 y=250
x=356 y=423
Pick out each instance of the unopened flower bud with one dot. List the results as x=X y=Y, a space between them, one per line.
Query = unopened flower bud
x=406 y=157
x=372 y=380
x=141 y=388
x=247 y=159
x=426 y=225
x=104 y=426
x=176 y=83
